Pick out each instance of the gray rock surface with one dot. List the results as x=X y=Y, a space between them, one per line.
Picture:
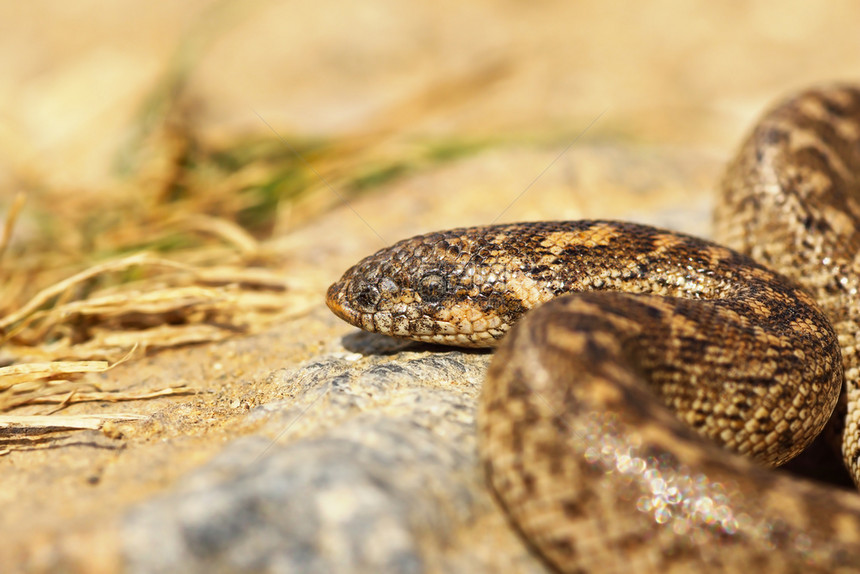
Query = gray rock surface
x=384 y=479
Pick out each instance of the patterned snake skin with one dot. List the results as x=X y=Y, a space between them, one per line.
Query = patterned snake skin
x=614 y=416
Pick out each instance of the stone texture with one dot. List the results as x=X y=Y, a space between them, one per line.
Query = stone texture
x=385 y=479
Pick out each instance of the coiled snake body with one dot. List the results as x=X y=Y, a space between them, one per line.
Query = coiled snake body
x=576 y=424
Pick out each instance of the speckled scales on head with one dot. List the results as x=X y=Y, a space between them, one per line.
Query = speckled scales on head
x=626 y=324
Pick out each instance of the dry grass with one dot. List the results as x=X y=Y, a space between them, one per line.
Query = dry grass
x=111 y=275
x=171 y=253
x=175 y=250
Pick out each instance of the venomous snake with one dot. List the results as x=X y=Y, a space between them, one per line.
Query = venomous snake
x=613 y=416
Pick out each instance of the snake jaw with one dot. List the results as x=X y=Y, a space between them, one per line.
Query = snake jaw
x=403 y=313
x=414 y=290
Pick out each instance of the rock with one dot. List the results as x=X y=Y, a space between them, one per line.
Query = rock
x=385 y=479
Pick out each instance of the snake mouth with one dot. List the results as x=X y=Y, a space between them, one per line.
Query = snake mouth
x=337 y=302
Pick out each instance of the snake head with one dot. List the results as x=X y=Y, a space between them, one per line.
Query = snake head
x=436 y=288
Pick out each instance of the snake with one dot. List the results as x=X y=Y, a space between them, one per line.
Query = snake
x=646 y=384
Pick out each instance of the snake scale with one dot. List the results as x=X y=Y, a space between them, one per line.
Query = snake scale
x=629 y=421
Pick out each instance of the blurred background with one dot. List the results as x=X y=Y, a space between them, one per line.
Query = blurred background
x=143 y=105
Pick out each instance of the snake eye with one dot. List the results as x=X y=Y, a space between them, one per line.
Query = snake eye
x=364 y=297
x=432 y=287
